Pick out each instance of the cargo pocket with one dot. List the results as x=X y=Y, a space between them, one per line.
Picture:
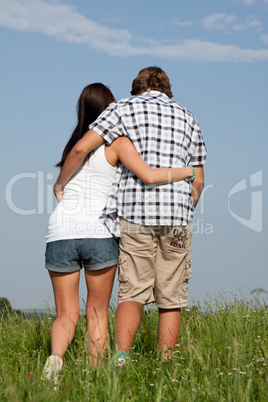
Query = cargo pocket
x=188 y=265
x=183 y=288
x=122 y=276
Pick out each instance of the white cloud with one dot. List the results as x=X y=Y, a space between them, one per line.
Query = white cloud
x=177 y=21
x=196 y=50
x=264 y=38
x=218 y=21
x=226 y=22
x=249 y=2
x=60 y=21
x=250 y=23
x=64 y=23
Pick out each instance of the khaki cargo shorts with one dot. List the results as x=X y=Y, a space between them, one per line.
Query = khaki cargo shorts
x=154 y=264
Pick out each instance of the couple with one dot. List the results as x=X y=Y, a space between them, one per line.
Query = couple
x=105 y=174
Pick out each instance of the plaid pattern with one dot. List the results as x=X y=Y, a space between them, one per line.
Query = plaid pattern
x=166 y=135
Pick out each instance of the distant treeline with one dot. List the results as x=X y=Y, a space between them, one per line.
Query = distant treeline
x=5 y=307
x=6 y=310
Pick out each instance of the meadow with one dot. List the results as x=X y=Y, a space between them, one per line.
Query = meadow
x=221 y=356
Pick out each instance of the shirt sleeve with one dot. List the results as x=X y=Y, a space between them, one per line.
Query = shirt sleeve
x=109 y=124
x=199 y=153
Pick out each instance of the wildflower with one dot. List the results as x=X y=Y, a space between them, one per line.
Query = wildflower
x=242 y=372
x=175 y=380
x=221 y=373
x=152 y=385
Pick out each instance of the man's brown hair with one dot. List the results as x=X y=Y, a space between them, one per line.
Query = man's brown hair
x=152 y=78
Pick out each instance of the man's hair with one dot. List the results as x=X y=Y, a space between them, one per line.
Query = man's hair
x=153 y=78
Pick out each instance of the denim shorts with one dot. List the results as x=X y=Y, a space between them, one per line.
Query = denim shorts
x=71 y=255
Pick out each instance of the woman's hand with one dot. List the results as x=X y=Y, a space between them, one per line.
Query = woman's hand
x=58 y=191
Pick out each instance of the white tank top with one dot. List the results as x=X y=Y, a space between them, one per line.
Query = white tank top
x=77 y=214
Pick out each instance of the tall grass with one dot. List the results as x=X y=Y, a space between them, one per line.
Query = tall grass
x=221 y=356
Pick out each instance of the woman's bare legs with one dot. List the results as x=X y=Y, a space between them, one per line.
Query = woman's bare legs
x=66 y=294
x=99 y=290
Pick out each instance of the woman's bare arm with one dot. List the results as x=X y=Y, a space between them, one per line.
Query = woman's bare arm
x=198 y=184
x=128 y=155
x=88 y=143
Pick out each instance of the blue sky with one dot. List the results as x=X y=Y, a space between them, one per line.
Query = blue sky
x=216 y=55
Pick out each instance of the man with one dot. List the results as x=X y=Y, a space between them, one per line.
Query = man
x=155 y=220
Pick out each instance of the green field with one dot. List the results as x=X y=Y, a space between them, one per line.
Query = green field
x=221 y=356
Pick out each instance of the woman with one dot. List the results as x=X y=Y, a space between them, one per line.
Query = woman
x=76 y=238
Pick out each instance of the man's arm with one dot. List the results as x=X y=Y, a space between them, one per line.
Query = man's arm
x=198 y=184
x=88 y=143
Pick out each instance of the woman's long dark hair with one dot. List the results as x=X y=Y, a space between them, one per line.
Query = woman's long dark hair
x=94 y=99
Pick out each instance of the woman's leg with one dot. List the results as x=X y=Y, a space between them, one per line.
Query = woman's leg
x=66 y=294
x=99 y=287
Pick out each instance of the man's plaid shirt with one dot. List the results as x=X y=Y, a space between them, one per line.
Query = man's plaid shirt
x=166 y=135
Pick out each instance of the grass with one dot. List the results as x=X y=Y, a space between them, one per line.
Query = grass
x=221 y=356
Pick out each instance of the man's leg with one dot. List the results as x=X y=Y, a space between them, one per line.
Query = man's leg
x=136 y=279
x=168 y=329
x=173 y=270
x=128 y=318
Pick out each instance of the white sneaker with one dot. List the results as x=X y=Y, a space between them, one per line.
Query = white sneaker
x=52 y=369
